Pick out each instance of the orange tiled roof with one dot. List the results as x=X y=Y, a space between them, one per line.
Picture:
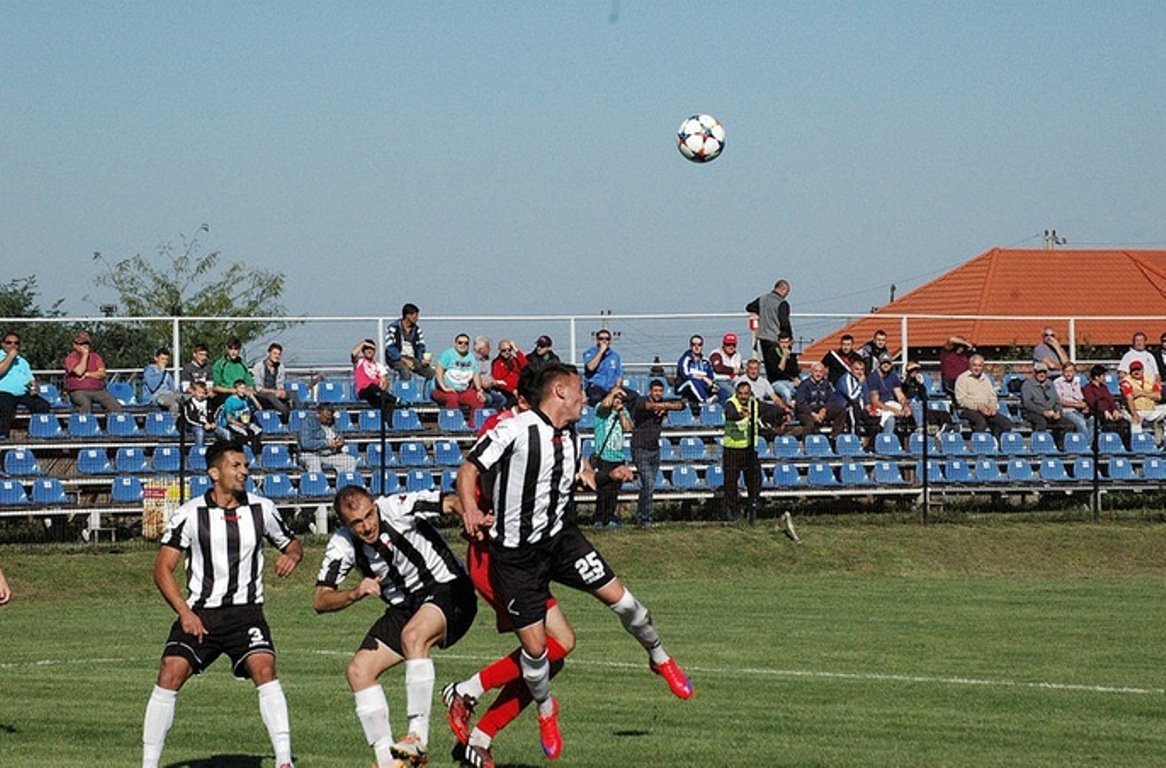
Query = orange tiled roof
x=1033 y=282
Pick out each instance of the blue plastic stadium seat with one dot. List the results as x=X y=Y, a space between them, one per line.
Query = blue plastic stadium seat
x=315 y=485
x=166 y=459
x=127 y=489
x=667 y=450
x=448 y=480
x=1083 y=469
x=952 y=444
x=853 y=473
x=915 y=445
x=93 y=461
x=160 y=424
x=278 y=485
x=353 y=450
x=50 y=393
x=50 y=492
x=786 y=476
x=1012 y=444
x=452 y=420
x=345 y=479
x=276 y=456
x=123 y=391
x=411 y=391
x=406 y=420
x=299 y=390
x=786 y=447
x=764 y=449
x=412 y=453
x=1052 y=470
x=887 y=473
x=392 y=483
x=418 y=480
x=481 y=415
x=1020 y=470
x=712 y=415
x=372 y=455
x=84 y=425
x=958 y=471
x=848 y=444
x=295 y=419
x=714 y=476
x=692 y=449
x=680 y=419
x=1113 y=383
x=934 y=471
x=684 y=477
x=196 y=459
x=1075 y=443
x=586 y=447
x=821 y=475
x=1154 y=468
x=984 y=444
x=1110 y=443
x=20 y=462
x=199 y=485
x=122 y=425
x=447 y=453
x=818 y=445
x=44 y=426
x=131 y=461
x=269 y=421
x=368 y=420
x=1142 y=444
x=12 y=493
x=888 y=445
x=1121 y=468
x=1043 y=443
x=329 y=391
x=988 y=471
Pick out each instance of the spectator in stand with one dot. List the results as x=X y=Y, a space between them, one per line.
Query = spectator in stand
x=226 y=371
x=953 y=361
x=1142 y=391
x=158 y=383
x=1138 y=351
x=320 y=444
x=772 y=310
x=726 y=363
x=196 y=415
x=1042 y=405
x=853 y=388
x=495 y=398
x=886 y=393
x=611 y=423
x=975 y=399
x=457 y=381
x=85 y=377
x=1049 y=351
x=648 y=415
x=506 y=369
x=370 y=379
x=773 y=410
x=1105 y=409
x=817 y=404
x=18 y=386
x=788 y=372
x=602 y=368
x=542 y=354
x=873 y=350
x=236 y=417
x=198 y=369
x=405 y=346
x=271 y=383
x=1160 y=355
x=694 y=374
x=838 y=361
x=1073 y=406
x=915 y=389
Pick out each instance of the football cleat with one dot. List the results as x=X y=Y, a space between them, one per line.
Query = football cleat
x=473 y=756
x=460 y=708
x=673 y=675
x=410 y=750
x=548 y=732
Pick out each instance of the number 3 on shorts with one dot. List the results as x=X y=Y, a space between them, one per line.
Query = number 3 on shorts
x=590 y=567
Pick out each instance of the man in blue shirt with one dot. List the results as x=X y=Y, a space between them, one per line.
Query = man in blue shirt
x=602 y=369
x=17 y=385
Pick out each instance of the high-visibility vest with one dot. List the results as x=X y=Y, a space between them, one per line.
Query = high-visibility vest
x=741 y=433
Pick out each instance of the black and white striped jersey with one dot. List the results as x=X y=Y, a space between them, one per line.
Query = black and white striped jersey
x=533 y=467
x=223 y=548
x=409 y=557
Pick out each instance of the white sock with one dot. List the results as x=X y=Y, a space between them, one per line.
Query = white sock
x=159 y=718
x=372 y=710
x=273 y=710
x=472 y=687
x=419 y=677
x=479 y=738
x=638 y=621
x=537 y=674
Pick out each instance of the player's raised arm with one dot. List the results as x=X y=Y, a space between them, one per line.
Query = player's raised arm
x=328 y=598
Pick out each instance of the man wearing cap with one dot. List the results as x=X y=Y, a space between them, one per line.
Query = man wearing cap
x=886 y=389
x=1042 y=405
x=726 y=363
x=602 y=368
x=320 y=444
x=1142 y=391
x=542 y=354
x=85 y=377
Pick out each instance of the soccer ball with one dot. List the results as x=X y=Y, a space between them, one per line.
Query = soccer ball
x=701 y=138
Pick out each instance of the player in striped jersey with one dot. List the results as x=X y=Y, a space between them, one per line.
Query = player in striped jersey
x=534 y=461
x=402 y=558
x=220 y=534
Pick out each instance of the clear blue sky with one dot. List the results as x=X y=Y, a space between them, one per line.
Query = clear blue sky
x=520 y=157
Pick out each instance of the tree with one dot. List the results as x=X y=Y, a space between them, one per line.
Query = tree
x=184 y=282
x=43 y=344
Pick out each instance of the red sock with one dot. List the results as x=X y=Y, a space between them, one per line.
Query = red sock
x=513 y=698
x=507 y=669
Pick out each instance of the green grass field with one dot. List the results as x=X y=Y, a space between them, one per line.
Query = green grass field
x=1002 y=642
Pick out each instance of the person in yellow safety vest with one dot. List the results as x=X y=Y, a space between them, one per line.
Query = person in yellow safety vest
x=740 y=450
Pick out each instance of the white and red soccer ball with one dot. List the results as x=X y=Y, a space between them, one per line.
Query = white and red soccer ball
x=701 y=138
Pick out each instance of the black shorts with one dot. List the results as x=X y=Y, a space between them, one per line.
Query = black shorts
x=523 y=574
x=237 y=631
x=455 y=599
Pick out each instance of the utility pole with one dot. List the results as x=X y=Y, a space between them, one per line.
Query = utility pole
x=1052 y=240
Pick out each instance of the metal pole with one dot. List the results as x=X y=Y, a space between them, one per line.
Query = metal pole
x=1096 y=495
x=924 y=435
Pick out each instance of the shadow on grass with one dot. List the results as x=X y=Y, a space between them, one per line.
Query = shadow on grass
x=221 y=761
